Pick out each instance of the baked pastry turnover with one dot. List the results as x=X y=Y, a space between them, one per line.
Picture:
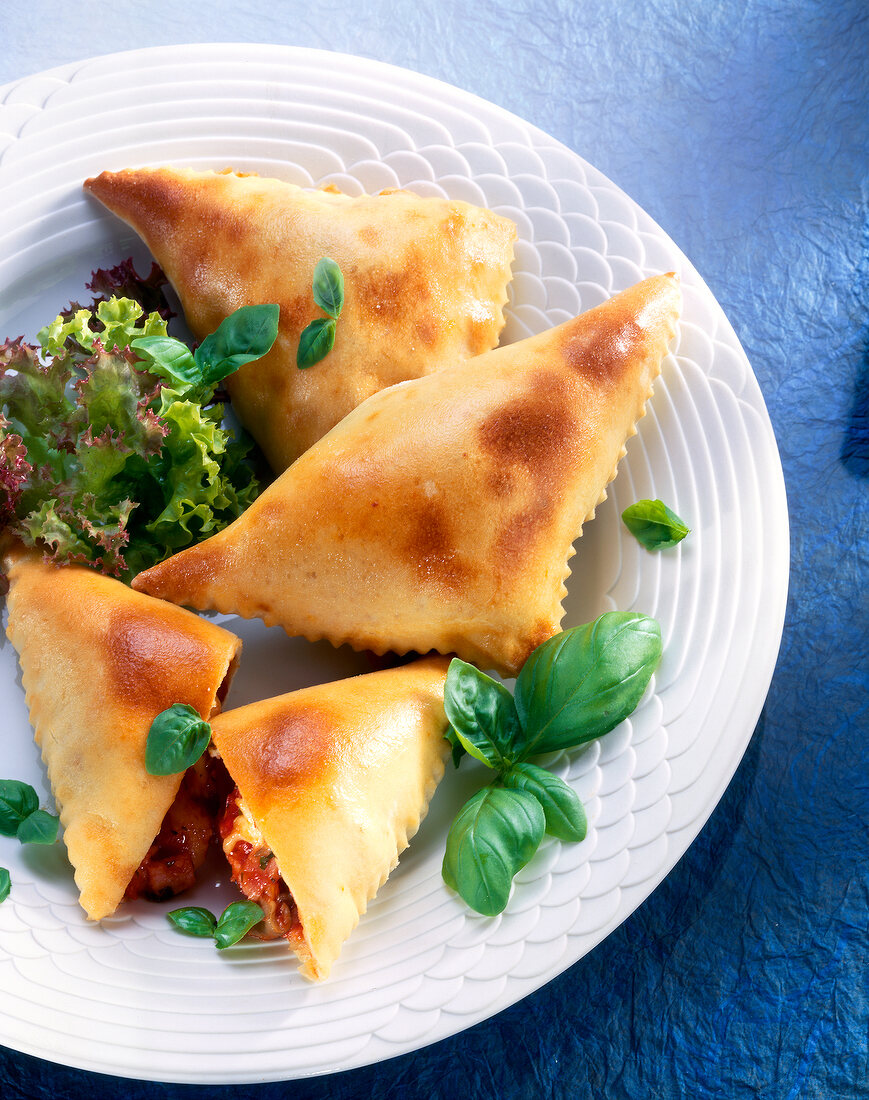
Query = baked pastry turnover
x=332 y=781
x=425 y=283
x=440 y=514
x=99 y=662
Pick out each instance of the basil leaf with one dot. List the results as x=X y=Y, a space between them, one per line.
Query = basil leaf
x=243 y=336
x=494 y=835
x=564 y=813
x=316 y=342
x=580 y=684
x=17 y=802
x=5 y=884
x=481 y=713
x=458 y=748
x=654 y=525
x=236 y=921
x=170 y=359
x=40 y=827
x=194 y=920
x=329 y=287
x=177 y=738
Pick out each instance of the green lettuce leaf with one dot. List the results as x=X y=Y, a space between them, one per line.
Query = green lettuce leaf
x=101 y=461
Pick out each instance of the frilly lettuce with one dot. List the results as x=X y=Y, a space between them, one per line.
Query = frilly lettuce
x=109 y=456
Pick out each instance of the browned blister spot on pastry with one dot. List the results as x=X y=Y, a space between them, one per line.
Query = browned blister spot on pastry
x=427 y=331
x=295 y=746
x=394 y=294
x=521 y=532
x=501 y=482
x=296 y=313
x=429 y=545
x=140 y=649
x=369 y=235
x=535 y=431
x=600 y=352
x=227 y=221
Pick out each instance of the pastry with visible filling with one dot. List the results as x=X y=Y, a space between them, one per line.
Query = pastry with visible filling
x=425 y=282
x=99 y=662
x=331 y=783
x=441 y=513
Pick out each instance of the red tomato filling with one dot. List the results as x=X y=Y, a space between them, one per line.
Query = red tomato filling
x=255 y=871
x=188 y=828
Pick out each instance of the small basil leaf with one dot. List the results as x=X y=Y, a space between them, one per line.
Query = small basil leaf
x=481 y=712
x=654 y=525
x=170 y=359
x=458 y=748
x=580 y=684
x=329 y=287
x=493 y=837
x=17 y=801
x=194 y=920
x=40 y=827
x=565 y=816
x=236 y=921
x=5 y=884
x=316 y=342
x=243 y=336
x=177 y=738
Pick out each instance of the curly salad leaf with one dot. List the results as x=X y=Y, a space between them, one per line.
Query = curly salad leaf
x=108 y=455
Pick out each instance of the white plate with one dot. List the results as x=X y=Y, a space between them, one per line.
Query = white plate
x=132 y=997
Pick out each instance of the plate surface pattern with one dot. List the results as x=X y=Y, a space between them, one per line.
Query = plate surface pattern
x=420 y=966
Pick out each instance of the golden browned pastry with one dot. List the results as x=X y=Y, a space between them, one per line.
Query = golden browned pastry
x=98 y=663
x=332 y=782
x=440 y=514
x=425 y=284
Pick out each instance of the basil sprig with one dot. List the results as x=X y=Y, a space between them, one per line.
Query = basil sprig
x=495 y=834
x=246 y=335
x=654 y=525
x=233 y=924
x=177 y=738
x=318 y=339
x=21 y=817
x=5 y=884
x=574 y=688
x=193 y=920
x=580 y=684
x=562 y=810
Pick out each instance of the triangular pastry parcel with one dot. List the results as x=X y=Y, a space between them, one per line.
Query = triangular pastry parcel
x=425 y=284
x=332 y=782
x=99 y=662
x=441 y=513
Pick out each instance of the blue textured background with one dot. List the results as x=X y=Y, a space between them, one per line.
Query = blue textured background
x=743 y=129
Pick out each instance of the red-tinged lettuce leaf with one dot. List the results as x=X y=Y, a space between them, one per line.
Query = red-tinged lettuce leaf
x=123 y=281
x=57 y=528
x=34 y=393
x=109 y=531
x=15 y=471
x=115 y=397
